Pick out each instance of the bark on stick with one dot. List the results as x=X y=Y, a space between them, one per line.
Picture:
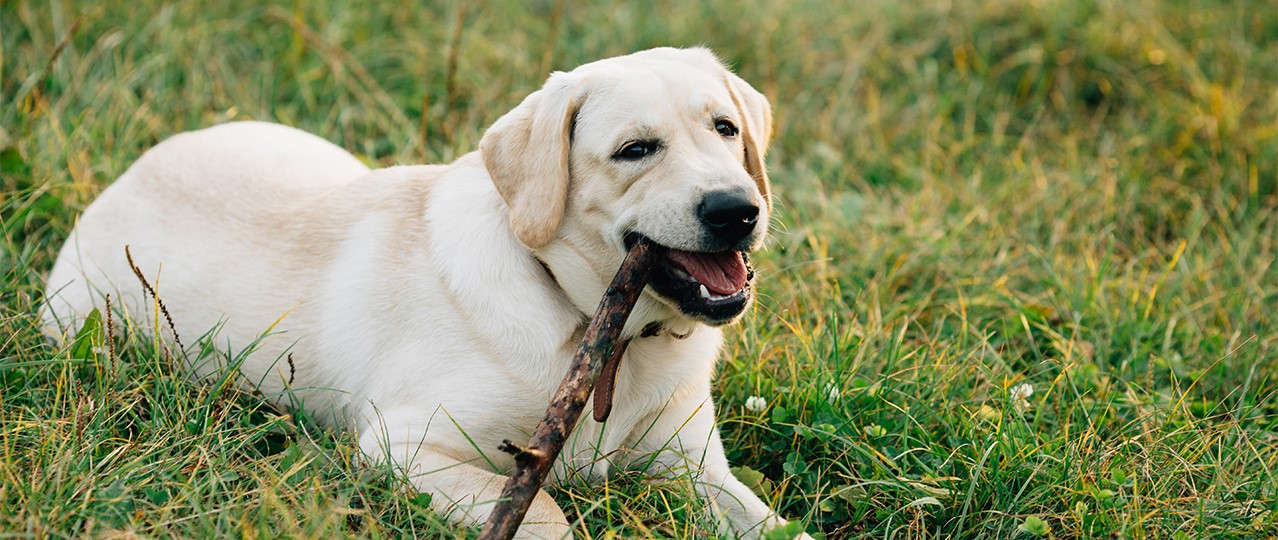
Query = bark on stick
x=601 y=341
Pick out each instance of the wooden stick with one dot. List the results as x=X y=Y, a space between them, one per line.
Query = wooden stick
x=532 y=463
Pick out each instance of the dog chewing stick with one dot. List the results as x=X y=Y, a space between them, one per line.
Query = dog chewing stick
x=601 y=345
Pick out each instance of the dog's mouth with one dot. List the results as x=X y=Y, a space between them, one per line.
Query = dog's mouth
x=714 y=287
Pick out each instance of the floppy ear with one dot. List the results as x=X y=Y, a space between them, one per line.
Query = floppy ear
x=526 y=152
x=756 y=130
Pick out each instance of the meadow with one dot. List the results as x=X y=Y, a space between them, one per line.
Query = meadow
x=1021 y=281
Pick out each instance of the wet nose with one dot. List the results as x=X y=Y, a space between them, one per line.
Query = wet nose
x=729 y=215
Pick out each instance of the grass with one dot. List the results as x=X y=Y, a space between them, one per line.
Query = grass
x=1078 y=196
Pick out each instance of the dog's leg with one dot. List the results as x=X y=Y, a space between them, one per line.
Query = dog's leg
x=685 y=442
x=464 y=492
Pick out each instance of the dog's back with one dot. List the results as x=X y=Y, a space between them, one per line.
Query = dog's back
x=193 y=204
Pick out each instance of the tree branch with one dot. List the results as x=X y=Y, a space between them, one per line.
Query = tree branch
x=532 y=463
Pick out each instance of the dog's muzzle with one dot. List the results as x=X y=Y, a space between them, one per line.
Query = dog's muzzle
x=714 y=286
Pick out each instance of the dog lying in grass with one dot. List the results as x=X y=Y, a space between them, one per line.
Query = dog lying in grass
x=433 y=309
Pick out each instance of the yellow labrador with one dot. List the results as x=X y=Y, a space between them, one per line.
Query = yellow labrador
x=433 y=309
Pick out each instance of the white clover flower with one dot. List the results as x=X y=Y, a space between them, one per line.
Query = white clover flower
x=832 y=393
x=756 y=404
x=1020 y=395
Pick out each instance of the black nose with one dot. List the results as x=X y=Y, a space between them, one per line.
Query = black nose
x=729 y=215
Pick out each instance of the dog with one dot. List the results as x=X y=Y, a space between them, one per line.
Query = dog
x=434 y=309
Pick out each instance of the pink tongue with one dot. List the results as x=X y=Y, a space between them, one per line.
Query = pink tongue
x=723 y=273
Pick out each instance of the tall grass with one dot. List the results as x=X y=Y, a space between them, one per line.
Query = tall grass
x=1078 y=196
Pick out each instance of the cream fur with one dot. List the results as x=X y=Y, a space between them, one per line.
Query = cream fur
x=411 y=299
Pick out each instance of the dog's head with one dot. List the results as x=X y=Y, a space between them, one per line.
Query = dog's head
x=666 y=144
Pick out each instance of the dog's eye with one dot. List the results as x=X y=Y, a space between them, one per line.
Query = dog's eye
x=636 y=150
x=726 y=128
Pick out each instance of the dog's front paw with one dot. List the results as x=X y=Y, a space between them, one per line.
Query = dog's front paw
x=544 y=520
x=786 y=531
x=544 y=531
